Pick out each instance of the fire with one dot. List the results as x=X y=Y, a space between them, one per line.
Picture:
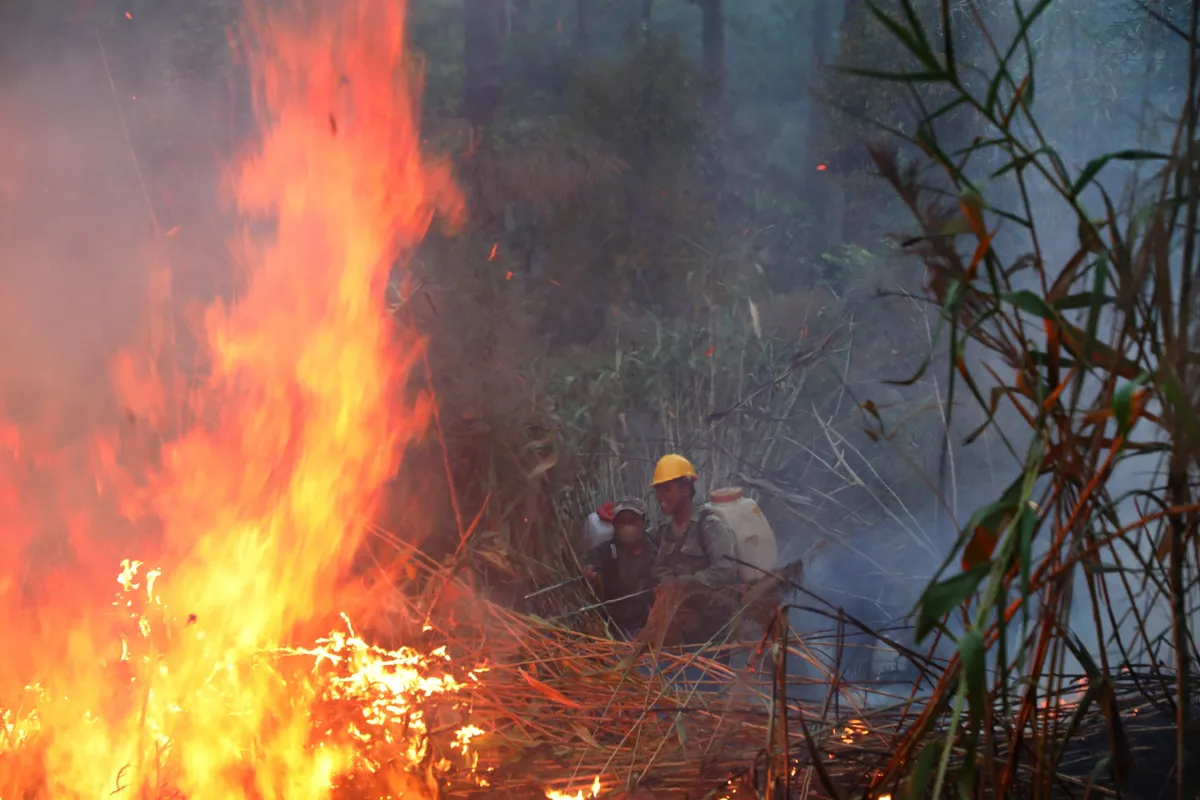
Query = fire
x=579 y=795
x=192 y=687
x=853 y=731
x=1065 y=703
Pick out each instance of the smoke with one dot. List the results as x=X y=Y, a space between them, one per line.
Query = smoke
x=108 y=166
x=74 y=229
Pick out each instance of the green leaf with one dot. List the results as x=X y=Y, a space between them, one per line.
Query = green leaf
x=897 y=77
x=1026 y=527
x=1002 y=71
x=1060 y=166
x=1098 y=300
x=948 y=42
x=1123 y=403
x=946 y=109
x=919 y=778
x=966 y=778
x=1094 y=166
x=913 y=39
x=974 y=664
x=1073 y=302
x=942 y=598
x=1022 y=161
x=1030 y=303
x=990 y=515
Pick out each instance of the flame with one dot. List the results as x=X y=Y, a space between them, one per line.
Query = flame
x=1066 y=702
x=854 y=731
x=579 y=795
x=191 y=688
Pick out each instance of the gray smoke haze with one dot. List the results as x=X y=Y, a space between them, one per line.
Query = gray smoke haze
x=110 y=164
x=82 y=229
x=865 y=572
x=75 y=232
x=109 y=157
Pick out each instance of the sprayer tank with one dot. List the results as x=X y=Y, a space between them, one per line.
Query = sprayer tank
x=756 y=544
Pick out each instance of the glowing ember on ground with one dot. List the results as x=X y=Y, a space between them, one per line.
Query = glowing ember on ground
x=260 y=506
x=579 y=795
x=854 y=731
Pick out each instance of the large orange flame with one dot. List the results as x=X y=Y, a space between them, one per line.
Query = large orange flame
x=261 y=504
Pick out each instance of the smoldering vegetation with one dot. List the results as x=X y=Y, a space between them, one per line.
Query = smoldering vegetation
x=679 y=241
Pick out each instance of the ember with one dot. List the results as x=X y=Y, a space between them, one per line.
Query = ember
x=579 y=795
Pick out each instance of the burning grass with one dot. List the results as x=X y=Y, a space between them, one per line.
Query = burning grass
x=486 y=701
x=256 y=508
x=208 y=682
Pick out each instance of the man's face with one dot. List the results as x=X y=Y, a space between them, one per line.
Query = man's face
x=628 y=527
x=671 y=496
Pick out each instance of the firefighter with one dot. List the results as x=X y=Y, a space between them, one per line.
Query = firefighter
x=625 y=566
x=695 y=556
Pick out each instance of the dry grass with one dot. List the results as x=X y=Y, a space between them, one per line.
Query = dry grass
x=555 y=708
x=561 y=707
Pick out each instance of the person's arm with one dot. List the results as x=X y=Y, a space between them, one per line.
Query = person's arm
x=596 y=561
x=721 y=546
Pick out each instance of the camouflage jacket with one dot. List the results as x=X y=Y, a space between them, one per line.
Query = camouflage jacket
x=702 y=553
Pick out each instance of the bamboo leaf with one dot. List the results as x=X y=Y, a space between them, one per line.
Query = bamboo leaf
x=942 y=598
x=1093 y=167
x=1100 y=275
x=1122 y=403
x=1030 y=303
x=948 y=42
x=913 y=39
x=1026 y=527
x=896 y=77
x=1023 y=161
x=974 y=664
x=1074 y=302
x=919 y=779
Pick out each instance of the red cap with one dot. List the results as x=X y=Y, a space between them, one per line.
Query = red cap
x=605 y=512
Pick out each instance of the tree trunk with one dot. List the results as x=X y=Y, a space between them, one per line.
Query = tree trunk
x=712 y=41
x=484 y=26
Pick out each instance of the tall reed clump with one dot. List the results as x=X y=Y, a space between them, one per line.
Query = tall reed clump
x=1086 y=367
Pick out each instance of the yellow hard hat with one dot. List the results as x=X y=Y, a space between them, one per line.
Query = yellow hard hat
x=672 y=467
